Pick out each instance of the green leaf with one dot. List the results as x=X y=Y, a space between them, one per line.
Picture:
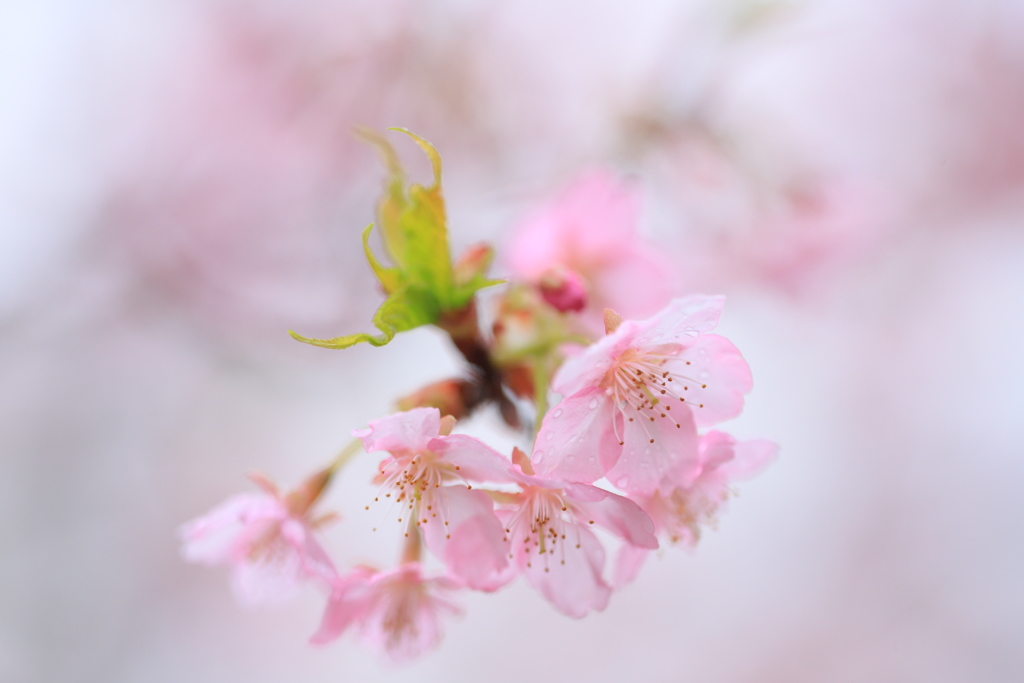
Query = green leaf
x=390 y=278
x=422 y=284
x=404 y=310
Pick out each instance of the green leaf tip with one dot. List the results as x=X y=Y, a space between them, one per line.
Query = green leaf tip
x=422 y=284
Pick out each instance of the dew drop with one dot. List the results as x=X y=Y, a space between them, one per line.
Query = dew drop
x=537 y=455
x=548 y=436
x=557 y=413
x=593 y=403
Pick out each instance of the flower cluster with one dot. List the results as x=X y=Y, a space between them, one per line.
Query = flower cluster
x=618 y=463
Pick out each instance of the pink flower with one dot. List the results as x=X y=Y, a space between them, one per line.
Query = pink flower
x=591 y=230
x=266 y=539
x=553 y=546
x=427 y=474
x=397 y=611
x=693 y=503
x=633 y=397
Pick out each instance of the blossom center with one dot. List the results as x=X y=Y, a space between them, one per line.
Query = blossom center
x=644 y=390
x=540 y=524
x=414 y=482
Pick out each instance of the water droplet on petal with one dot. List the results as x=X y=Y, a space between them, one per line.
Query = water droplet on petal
x=593 y=403
x=548 y=436
x=557 y=413
x=537 y=455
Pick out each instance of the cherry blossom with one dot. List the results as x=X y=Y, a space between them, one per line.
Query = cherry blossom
x=427 y=474
x=397 y=611
x=266 y=539
x=688 y=505
x=590 y=231
x=632 y=398
x=552 y=544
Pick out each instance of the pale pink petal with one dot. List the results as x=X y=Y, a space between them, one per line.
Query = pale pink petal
x=402 y=432
x=575 y=587
x=673 y=455
x=715 y=362
x=271 y=580
x=637 y=284
x=536 y=246
x=589 y=224
x=312 y=556
x=599 y=213
x=588 y=368
x=476 y=460
x=404 y=619
x=472 y=545
x=628 y=562
x=681 y=321
x=618 y=514
x=576 y=440
x=348 y=604
x=222 y=534
x=749 y=457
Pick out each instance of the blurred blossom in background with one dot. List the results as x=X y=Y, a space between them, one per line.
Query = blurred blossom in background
x=179 y=186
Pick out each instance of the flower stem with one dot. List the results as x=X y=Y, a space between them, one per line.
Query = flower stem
x=346 y=454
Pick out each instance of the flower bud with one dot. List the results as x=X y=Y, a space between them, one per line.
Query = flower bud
x=563 y=289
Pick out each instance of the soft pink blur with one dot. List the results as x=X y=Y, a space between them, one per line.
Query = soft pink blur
x=179 y=186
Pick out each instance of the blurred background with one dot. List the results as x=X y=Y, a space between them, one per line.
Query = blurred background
x=179 y=186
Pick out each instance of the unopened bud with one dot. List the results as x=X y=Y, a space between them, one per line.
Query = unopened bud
x=302 y=498
x=473 y=262
x=448 y=396
x=563 y=289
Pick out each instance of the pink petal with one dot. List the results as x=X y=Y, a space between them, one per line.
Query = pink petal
x=592 y=222
x=348 y=603
x=674 y=455
x=402 y=432
x=628 y=563
x=576 y=441
x=681 y=321
x=749 y=457
x=403 y=618
x=476 y=551
x=637 y=284
x=313 y=558
x=576 y=587
x=618 y=514
x=716 y=362
x=223 y=534
x=270 y=581
x=588 y=368
x=476 y=460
